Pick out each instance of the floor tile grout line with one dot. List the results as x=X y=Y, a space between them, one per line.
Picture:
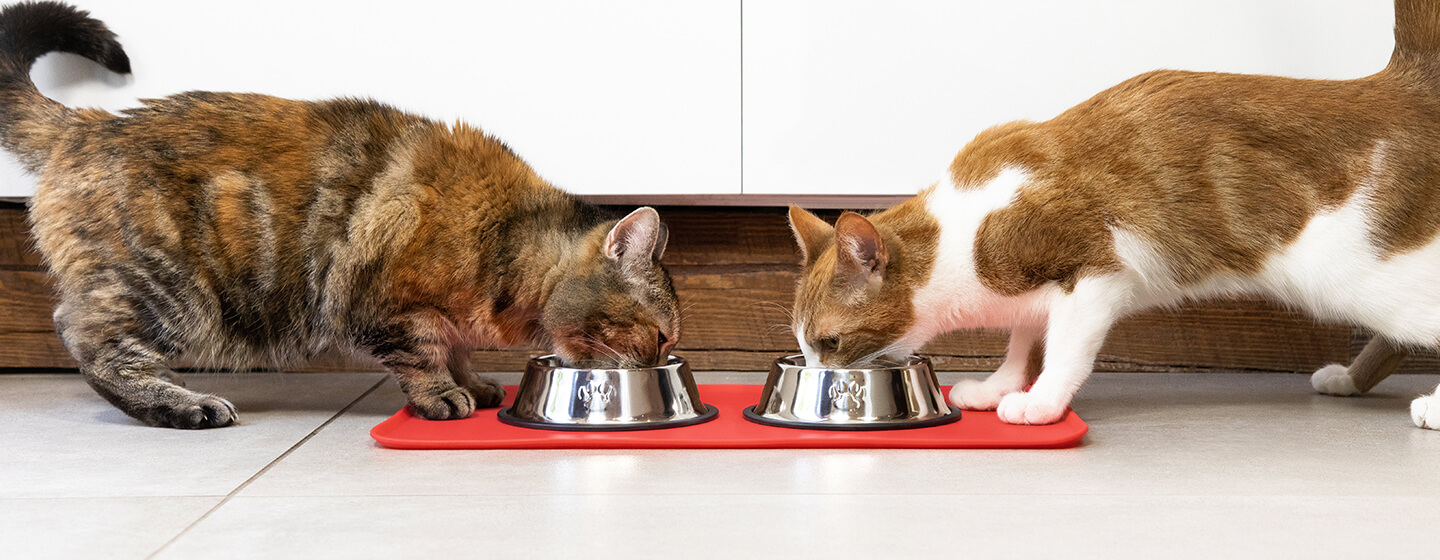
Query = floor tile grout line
x=268 y=466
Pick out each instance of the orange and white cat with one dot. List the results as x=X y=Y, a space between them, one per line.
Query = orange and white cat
x=1171 y=186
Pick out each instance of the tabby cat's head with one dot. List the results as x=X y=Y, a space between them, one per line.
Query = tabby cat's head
x=615 y=306
x=852 y=304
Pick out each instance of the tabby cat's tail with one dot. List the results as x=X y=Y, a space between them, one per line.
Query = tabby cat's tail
x=29 y=120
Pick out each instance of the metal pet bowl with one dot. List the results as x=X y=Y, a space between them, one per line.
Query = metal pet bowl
x=906 y=395
x=554 y=397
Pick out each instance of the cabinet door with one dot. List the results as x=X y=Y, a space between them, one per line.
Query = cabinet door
x=613 y=97
x=877 y=96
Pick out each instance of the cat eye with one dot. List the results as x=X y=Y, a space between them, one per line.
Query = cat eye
x=829 y=343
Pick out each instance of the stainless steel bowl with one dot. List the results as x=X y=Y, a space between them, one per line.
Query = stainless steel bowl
x=554 y=397
x=885 y=398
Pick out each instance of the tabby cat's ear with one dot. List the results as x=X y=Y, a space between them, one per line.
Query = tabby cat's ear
x=811 y=233
x=859 y=252
x=638 y=239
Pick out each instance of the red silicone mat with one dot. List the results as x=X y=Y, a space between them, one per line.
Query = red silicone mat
x=975 y=430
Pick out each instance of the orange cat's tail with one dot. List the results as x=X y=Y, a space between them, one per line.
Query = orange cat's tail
x=28 y=30
x=1417 y=34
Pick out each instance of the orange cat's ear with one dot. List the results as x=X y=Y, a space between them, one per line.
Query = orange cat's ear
x=638 y=239
x=811 y=233
x=859 y=251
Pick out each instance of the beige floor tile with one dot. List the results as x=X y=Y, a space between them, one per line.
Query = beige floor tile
x=68 y=528
x=62 y=440
x=814 y=526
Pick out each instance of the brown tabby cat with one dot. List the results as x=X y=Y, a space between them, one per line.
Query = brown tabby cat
x=1171 y=186
x=234 y=228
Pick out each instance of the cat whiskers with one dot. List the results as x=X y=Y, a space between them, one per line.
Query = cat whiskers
x=788 y=314
x=616 y=358
x=780 y=326
x=869 y=359
x=790 y=328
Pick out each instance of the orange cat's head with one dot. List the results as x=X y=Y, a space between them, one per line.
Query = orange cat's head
x=614 y=304
x=853 y=301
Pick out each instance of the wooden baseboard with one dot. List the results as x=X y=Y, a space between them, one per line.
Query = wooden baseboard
x=735 y=268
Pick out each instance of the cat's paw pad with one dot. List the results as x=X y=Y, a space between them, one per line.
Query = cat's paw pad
x=969 y=394
x=452 y=404
x=195 y=411
x=1028 y=408
x=1334 y=379
x=1425 y=411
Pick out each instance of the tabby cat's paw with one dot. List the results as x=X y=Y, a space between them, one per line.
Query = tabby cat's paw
x=1425 y=411
x=969 y=394
x=1334 y=379
x=452 y=404
x=193 y=411
x=1028 y=408
x=487 y=392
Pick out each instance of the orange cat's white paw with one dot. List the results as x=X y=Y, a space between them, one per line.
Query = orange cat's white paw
x=1425 y=411
x=1027 y=408
x=1334 y=379
x=969 y=394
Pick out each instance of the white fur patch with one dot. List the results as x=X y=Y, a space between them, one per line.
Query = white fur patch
x=812 y=357
x=1334 y=379
x=1425 y=411
x=954 y=297
x=1332 y=271
x=1335 y=272
x=1031 y=409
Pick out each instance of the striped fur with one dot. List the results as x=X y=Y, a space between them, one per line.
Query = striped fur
x=242 y=229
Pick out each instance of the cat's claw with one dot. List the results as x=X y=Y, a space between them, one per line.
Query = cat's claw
x=453 y=404
x=1028 y=408
x=1334 y=379
x=969 y=394
x=1425 y=411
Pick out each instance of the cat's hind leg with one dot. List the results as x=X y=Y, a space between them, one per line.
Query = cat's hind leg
x=415 y=349
x=487 y=391
x=1376 y=361
x=1023 y=359
x=123 y=359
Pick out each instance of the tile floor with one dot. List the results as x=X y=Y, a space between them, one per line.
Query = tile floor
x=1175 y=466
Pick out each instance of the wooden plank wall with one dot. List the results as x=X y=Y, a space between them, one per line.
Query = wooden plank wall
x=734 y=269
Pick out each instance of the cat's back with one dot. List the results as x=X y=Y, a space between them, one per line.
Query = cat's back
x=1217 y=172
x=205 y=169
x=235 y=216
x=1173 y=117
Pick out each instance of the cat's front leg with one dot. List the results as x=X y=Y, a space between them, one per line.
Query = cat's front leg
x=1078 y=324
x=1021 y=366
x=415 y=351
x=487 y=391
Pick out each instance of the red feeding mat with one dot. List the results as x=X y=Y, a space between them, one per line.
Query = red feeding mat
x=975 y=430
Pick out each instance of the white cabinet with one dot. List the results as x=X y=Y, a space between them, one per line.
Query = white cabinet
x=644 y=98
x=619 y=96
x=876 y=97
